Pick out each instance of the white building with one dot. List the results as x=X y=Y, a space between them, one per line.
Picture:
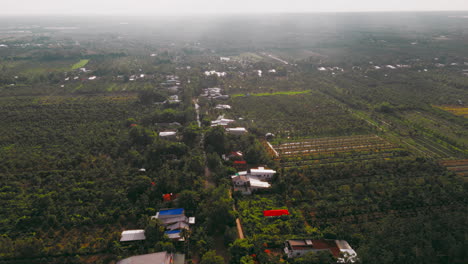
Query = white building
x=236 y=131
x=133 y=235
x=222 y=107
x=262 y=173
x=251 y=180
x=222 y=122
x=169 y=135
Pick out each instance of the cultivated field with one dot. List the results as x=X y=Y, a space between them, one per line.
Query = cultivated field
x=320 y=151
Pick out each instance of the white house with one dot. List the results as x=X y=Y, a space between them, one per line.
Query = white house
x=251 y=180
x=262 y=173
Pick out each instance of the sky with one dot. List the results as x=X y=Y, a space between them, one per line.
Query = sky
x=171 y=7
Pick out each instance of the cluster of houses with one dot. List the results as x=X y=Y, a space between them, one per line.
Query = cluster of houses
x=175 y=222
x=214 y=93
x=172 y=84
x=221 y=121
x=219 y=74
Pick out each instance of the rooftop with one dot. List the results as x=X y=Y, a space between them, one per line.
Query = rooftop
x=133 y=235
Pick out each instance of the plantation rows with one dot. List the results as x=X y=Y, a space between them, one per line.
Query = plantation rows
x=372 y=216
x=317 y=152
x=307 y=115
x=342 y=158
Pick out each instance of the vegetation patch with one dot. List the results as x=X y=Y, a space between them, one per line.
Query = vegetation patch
x=80 y=64
x=455 y=109
x=270 y=94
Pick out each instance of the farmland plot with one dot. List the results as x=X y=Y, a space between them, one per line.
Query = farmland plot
x=297 y=116
x=335 y=149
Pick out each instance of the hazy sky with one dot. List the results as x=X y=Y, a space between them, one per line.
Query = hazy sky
x=220 y=6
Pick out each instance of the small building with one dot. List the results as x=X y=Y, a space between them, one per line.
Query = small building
x=157 y=258
x=222 y=122
x=236 y=131
x=222 y=107
x=169 y=135
x=262 y=173
x=173 y=99
x=234 y=155
x=275 y=213
x=340 y=249
x=133 y=235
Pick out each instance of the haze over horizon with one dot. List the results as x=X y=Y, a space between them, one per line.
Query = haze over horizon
x=178 y=7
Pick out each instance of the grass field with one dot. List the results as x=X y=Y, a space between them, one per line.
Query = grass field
x=79 y=64
x=271 y=94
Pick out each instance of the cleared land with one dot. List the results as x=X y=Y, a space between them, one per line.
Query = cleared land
x=460 y=167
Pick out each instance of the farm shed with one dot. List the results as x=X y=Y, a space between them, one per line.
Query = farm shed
x=133 y=235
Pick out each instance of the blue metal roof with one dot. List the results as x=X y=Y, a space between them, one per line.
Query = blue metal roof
x=176 y=211
x=172 y=232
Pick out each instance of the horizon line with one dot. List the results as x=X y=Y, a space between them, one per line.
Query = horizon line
x=227 y=13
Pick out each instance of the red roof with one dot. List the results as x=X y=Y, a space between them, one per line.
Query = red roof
x=240 y=162
x=279 y=212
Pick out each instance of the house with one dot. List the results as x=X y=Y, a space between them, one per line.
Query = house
x=159 y=258
x=275 y=213
x=133 y=235
x=174 y=220
x=236 y=131
x=246 y=183
x=340 y=249
x=173 y=99
x=262 y=173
